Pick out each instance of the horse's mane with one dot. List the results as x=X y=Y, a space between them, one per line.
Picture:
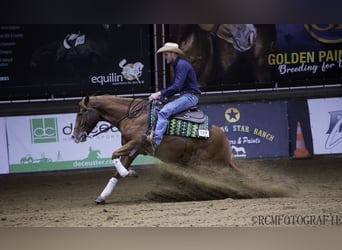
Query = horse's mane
x=104 y=99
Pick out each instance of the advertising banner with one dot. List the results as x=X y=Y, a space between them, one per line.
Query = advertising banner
x=44 y=143
x=326 y=125
x=61 y=60
x=306 y=51
x=3 y=148
x=230 y=56
x=255 y=130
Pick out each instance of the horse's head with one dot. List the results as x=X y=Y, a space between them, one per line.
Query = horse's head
x=241 y=36
x=86 y=120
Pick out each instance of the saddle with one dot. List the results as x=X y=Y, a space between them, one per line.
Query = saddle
x=193 y=114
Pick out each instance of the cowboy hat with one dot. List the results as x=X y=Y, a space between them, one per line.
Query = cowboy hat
x=171 y=47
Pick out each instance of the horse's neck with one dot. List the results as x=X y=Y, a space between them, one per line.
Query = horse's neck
x=114 y=109
x=111 y=109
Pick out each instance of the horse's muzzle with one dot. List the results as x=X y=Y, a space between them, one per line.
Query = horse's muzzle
x=81 y=137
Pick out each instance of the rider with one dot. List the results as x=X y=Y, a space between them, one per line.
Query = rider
x=185 y=83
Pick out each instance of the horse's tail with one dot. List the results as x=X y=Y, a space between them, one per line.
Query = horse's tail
x=232 y=164
x=231 y=159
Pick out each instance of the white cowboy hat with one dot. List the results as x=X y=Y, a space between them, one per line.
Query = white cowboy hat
x=171 y=47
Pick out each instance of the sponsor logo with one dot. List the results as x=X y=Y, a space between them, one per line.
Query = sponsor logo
x=335 y=130
x=239 y=151
x=110 y=133
x=44 y=130
x=232 y=115
x=4 y=78
x=131 y=71
x=130 y=74
x=325 y=33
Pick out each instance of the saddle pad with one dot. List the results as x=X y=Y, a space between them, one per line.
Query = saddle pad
x=180 y=127
x=188 y=129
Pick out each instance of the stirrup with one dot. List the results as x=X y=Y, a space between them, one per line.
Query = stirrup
x=154 y=147
x=147 y=138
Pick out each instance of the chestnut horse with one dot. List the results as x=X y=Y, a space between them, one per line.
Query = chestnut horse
x=130 y=116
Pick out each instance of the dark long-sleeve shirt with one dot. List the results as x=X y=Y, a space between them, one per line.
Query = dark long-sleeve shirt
x=185 y=79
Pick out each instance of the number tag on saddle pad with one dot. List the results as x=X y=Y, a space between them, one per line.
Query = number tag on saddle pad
x=203 y=133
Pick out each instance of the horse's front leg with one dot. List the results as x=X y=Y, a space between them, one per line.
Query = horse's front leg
x=121 y=166
x=125 y=149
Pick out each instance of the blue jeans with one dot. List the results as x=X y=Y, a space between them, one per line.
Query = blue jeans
x=180 y=104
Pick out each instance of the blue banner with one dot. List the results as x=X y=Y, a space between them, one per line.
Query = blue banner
x=255 y=130
x=309 y=51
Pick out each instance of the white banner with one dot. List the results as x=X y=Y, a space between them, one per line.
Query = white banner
x=43 y=143
x=326 y=125
x=3 y=148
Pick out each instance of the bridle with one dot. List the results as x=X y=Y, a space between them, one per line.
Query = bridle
x=83 y=125
x=133 y=111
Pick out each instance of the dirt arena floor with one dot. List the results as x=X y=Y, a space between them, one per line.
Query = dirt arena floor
x=277 y=192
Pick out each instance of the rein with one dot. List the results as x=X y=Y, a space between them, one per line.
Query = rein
x=132 y=112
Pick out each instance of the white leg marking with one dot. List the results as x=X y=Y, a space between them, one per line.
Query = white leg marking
x=120 y=168
x=109 y=188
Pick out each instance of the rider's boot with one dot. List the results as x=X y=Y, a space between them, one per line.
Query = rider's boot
x=149 y=139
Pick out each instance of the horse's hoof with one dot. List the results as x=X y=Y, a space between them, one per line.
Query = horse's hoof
x=100 y=201
x=132 y=173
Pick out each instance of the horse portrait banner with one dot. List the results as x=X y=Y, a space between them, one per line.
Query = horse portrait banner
x=235 y=56
x=53 y=60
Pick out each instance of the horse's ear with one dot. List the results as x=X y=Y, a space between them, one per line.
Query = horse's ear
x=84 y=102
